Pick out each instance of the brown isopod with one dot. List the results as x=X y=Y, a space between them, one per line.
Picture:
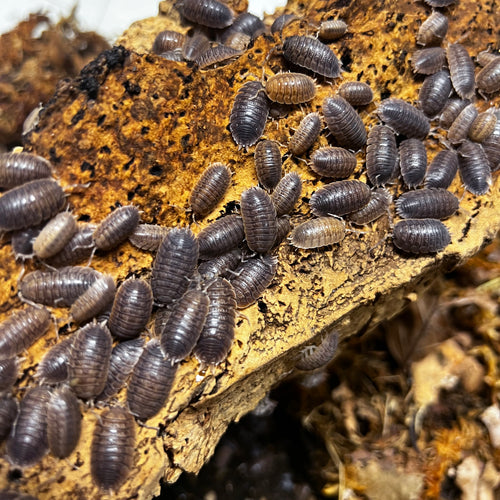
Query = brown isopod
x=150 y=383
x=344 y=123
x=488 y=79
x=314 y=357
x=64 y=422
x=55 y=235
x=356 y=93
x=148 y=236
x=338 y=163
x=287 y=193
x=267 y=159
x=378 y=205
x=461 y=70
x=209 y=13
x=316 y=233
x=252 y=277
x=195 y=45
x=442 y=170
x=381 y=155
x=485 y=57
x=433 y=29
x=306 y=134
x=451 y=110
x=27 y=442
x=459 y=129
x=31 y=203
x=434 y=93
x=79 y=247
x=404 y=118
x=221 y=236
x=428 y=61
x=116 y=227
x=238 y=41
x=57 y=288
x=9 y=371
x=167 y=40
x=259 y=219
x=312 y=54
x=412 y=162
x=474 y=168
x=131 y=309
x=332 y=30
x=53 y=368
x=340 y=198
x=113 y=447
x=217 y=335
x=19 y=168
x=421 y=236
x=174 y=265
x=482 y=127
x=290 y=88
x=210 y=189
x=89 y=360
x=22 y=329
x=216 y=55
x=8 y=414
x=94 y=300
x=435 y=203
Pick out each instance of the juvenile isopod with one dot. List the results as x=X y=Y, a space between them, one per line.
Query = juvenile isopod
x=314 y=357
x=89 y=360
x=220 y=266
x=79 y=247
x=195 y=45
x=428 y=61
x=482 y=127
x=340 y=198
x=421 y=236
x=287 y=193
x=459 y=129
x=344 y=123
x=268 y=163
x=435 y=203
x=31 y=203
x=474 y=169
x=94 y=300
x=64 y=422
x=113 y=447
x=259 y=219
x=19 y=168
x=216 y=55
x=27 y=442
x=290 y=88
x=167 y=40
x=433 y=29
x=412 y=162
x=148 y=236
x=378 y=205
x=9 y=370
x=22 y=329
x=332 y=30
x=451 y=110
x=403 y=118
x=442 y=170
x=55 y=235
x=209 y=13
x=488 y=79
x=461 y=70
x=338 y=163
x=252 y=277
x=116 y=227
x=306 y=134
x=316 y=233
x=174 y=265
x=381 y=155
x=8 y=414
x=150 y=383
x=131 y=309
x=434 y=93
x=221 y=236
x=53 y=368
x=249 y=114
x=210 y=189
x=217 y=335
x=356 y=93
x=312 y=54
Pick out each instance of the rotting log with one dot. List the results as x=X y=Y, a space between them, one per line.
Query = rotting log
x=141 y=130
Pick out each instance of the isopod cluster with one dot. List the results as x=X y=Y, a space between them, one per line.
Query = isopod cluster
x=132 y=336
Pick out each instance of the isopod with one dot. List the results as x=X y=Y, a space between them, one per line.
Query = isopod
x=221 y=265
x=290 y=88
x=148 y=236
x=283 y=228
x=245 y=23
x=333 y=29
x=259 y=219
x=356 y=93
x=316 y=233
x=217 y=334
x=267 y=159
x=287 y=193
x=131 y=309
x=461 y=70
x=53 y=368
x=249 y=114
x=312 y=54
x=433 y=29
x=238 y=41
x=306 y=134
x=27 y=442
x=482 y=127
x=31 y=203
x=474 y=169
x=195 y=45
x=459 y=129
x=314 y=357
x=9 y=370
x=209 y=13
x=55 y=235
x=344 y=123
x=79 y=248
x=381 y=155
x=22 y=242
x=113 y=447
x=435 y=203
x=168 y=40
x=22 y=329
x=434 y=93
x=488 y=79
x=216 y=55
x=421 y=236
x=338 y=163
x=439 y=3
x=94 y=300
x=491 y=147
x=174 y=265
x=89 y=360
x=442 y=170
x=221 y=236
x=252 y=277
x=210 y=189
x=340 y=198
x=412 y=162
x=428 y=61
x=378 y=205
x=281 y=21
x=150 y=383
x=19 y=168
x=64 y=422
x=404 y=118
x=116 y=227
x=485 y=57
x=8 y=414
x=451 y=110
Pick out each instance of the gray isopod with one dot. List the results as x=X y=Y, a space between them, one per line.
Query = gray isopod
x=442 y=170
x=378 y=205
x=8 y=414
x=491 y=147
x=79 y=247
x=460 y=127
x=434 y=203
x=356 y=93
x=220 y=266
x=461 y=70
x=94 y=300
x=19 y=168
x=244 y=23
x=290 y=88
x=316 y=233
x=210 y=189
x=55 y=235
x=337 y=163
x=403 y=118
x=474 y=168
x=485 y=57
x=116 y=227
x=421 y=236
x=9 y=371
x=221 y=236
x=340 y=198
x=428 y=61
x=333 y=29
x=433 y=29
x=209 y=13
x=287 y=193
x=381 y=155
x=439 y=3
x=488 y=79
x=434 y=93
x=148 y=236
x=314 y=357
x=53 y=368
x=412 y=162
x=306 y=134
x=267 y=159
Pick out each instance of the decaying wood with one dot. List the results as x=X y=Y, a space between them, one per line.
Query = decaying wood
x=142 y=129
